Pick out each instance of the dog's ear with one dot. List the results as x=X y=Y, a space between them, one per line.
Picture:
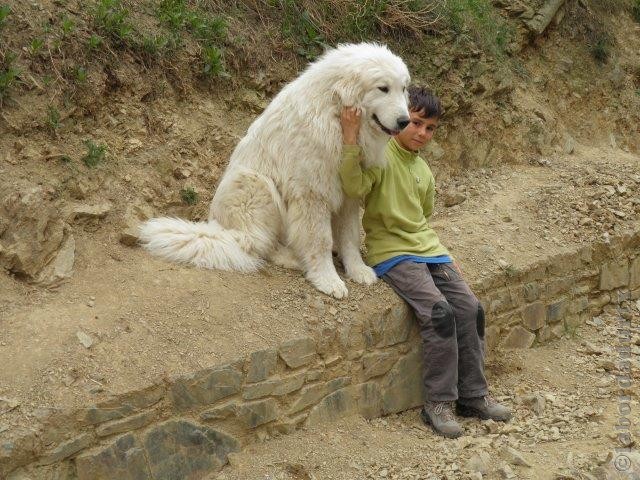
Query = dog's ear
x=349 y=91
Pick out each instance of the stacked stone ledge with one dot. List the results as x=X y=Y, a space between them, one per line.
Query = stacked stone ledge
x=187 y=426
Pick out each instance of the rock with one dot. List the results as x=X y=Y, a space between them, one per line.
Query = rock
x=569 y=145
x=129 y=236
x=61 y=268
x=261 y=364
x=480 y=462
x=514 y=457
x=219 y=412
x=32 y=232
x=85 y=212
x=66 y=449
x=362 y=399
x=402 y=387
x=181 y=173
x=133 y=217
x=506 y=472
x=185 y=450
x=131 y=423
x=534 y=316
x=8 y=404
x=535 y=401
x=205 y=387
x=377 y=363
x=298 y=352
x=519 y=337
x=451 y=198
x=253 y=414
x=85 y=339
x=124 y=459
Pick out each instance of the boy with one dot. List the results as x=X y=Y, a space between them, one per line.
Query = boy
x=406 y=253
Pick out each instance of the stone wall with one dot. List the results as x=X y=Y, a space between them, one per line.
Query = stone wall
x=189 y=424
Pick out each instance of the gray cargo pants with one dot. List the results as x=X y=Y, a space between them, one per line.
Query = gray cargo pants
x=451 y=322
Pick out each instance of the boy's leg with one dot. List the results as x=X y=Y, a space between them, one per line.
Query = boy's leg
x=469 y=320
x=414 y=284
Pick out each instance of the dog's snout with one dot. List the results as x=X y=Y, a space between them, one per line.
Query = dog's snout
x=402 y=122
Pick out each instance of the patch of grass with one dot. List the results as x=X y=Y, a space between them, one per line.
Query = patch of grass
x=94 y=42
x=95 y=154
x=113 y=19
x=8 y=76
x=80 y=74
x=479 y=19
x=189 y=196
x=67 y=26
x=5 y=10
x=601 y=50
x=213 y=63
x=53 y=119
x=635 y=10
x=35 y=46
x=154 y=45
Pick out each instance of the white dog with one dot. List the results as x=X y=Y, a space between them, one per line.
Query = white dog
x=280 y=197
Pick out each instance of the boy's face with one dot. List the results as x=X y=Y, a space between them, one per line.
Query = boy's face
x=418 y=133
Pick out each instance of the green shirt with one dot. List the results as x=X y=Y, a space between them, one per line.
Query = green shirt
x=398 y=201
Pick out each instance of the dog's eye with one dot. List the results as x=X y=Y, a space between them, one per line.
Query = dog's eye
x=384 y=89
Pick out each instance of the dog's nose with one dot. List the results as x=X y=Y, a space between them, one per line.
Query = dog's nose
x=402 y=122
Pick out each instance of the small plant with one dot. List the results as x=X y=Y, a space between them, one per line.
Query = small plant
x=8 y=76
x=80 y=74
x=66 y=159
x=95 y=154
x=67 y=26
x=213 y=64
x=189 y=196
x=111 y=17
x=94 y=42
x=600 y=50
x=154 y=45
x=53 y=119
x=635 y=10
x=35 y=46
x=5 y=10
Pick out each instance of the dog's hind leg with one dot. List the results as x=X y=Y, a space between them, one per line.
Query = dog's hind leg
x=346 y=225
x=309 y=229
x=244 y=203
x=285 y=257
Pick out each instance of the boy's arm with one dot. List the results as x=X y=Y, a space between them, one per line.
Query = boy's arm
x=429 y=199
x=356 y=182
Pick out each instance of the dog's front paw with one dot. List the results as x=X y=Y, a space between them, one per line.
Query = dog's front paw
x=331 y=285
x=362 y=274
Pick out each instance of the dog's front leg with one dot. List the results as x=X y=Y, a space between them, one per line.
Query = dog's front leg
x=347 y=232
x=309 y=227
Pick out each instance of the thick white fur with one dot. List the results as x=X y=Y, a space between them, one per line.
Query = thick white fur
x=280 y=197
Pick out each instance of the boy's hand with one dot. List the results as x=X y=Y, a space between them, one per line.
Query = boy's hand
x=350 y=121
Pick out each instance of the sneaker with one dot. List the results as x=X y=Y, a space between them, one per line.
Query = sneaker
x=439 y=415
x=483 y=407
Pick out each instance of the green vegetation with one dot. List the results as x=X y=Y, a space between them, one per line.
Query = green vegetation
x=601 y=50
x=113 y=19
x=8 y=75
x=94 y=42
x=213 y=64
x=5 y=10
x=635 y=10
x=53 y=119
x=67 y=26
x=95 y=154
x=80 y=74
x=36 y=46
x=189 y=196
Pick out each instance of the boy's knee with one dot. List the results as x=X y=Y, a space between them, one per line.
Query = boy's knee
x=443 y=319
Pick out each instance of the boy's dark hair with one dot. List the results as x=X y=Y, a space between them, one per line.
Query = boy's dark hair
x=422 y=100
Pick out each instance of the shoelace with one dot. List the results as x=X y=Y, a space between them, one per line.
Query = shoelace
x=489 y=401
x=446 y=413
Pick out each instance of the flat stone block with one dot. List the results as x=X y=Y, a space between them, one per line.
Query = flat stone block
x=179 y=449
x=205 y=387
x=127 y=424
x=614 y=275
x=634 y=268
x=219 y=412
x=309 y=395
x=402 y=387
x=253 y=414
x=261 y=365
x=124 y=459
x=534 y=316
x=557 y=310
x=377 y=363
x=298 y=352
x=66 y=449
x=519 y=337
x=363 y=399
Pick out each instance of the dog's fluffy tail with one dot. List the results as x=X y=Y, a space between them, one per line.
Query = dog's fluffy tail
x=205 y=244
